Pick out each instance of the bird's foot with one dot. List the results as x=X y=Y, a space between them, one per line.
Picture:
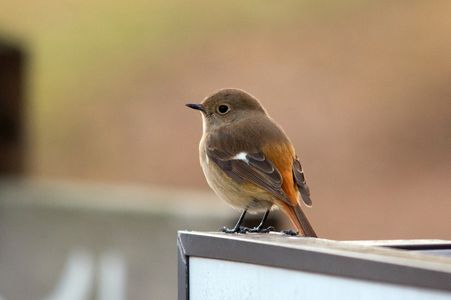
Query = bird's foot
x=244 y=230
x=290 y=232
x=239 y=229
x=260 y=229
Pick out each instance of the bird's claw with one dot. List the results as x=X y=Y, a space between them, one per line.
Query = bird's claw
x=239 y=229
x=290 y=232
x=259 y=229
x=244 y=230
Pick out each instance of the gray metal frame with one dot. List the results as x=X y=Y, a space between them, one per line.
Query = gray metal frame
x=381 y=261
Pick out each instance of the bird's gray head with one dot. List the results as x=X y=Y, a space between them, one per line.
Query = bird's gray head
x=227 y=106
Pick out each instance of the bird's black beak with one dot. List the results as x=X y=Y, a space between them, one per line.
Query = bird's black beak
x=197 y=106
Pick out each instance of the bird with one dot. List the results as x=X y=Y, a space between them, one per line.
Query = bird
x=249 y=161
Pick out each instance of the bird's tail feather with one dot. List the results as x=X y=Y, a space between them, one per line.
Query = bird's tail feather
x=300 y=221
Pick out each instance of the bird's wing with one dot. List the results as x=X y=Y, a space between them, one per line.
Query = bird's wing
x=250 y=167
x=299 y=178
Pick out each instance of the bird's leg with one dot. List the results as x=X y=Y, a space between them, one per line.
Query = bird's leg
x=260 y=228
x=237 y=227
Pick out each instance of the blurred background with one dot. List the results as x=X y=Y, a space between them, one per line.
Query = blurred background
x=98 y=154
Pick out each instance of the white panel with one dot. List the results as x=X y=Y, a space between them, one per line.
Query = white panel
x=217 y=279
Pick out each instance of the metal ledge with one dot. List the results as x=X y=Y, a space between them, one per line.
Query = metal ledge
x=380 y=261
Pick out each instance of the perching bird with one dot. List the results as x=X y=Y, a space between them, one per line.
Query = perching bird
x=249 y=161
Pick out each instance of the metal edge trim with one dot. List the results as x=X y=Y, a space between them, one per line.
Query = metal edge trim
x=308 y=260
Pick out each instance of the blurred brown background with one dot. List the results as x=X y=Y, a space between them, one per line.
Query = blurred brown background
x=361 y=87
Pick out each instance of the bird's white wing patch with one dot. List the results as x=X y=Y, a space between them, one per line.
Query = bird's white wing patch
x=242 y=156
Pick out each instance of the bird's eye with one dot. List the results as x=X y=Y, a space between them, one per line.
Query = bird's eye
x=223 y=109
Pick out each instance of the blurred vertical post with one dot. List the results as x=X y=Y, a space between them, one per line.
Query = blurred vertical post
x=12 y=137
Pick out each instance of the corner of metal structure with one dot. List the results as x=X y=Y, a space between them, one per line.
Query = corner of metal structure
x=182 y=268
